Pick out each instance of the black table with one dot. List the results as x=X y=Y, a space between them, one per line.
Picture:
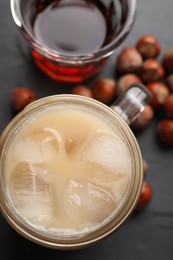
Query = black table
x=147 y=234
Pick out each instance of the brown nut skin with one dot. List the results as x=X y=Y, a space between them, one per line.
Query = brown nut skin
x=143 y=119
x=145 y=165
x=169 y=106
x=145 y=196
x=151 y=70
x=169 y=82
x=21 y=97
x=125 y=81
x=168 y=60
x=159 y=93
x=104 y=90
x=164 y=131
x=82 y=91
x=129 y=61
x=148 y=46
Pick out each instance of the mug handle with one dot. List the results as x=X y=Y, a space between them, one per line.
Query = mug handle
x=132 y=102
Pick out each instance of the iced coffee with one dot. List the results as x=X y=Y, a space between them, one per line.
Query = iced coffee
x=70 y=167
x=67 y=171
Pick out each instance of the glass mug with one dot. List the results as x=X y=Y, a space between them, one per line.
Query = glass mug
x=72 y=39
x=71 y=169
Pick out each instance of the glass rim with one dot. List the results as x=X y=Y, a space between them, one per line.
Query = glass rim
x=103 y=52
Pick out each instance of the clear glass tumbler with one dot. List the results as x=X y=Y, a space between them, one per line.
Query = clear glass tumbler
x=71 y=40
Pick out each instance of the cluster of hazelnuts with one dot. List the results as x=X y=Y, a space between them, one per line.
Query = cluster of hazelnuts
x=140 y=64
x=137 y=64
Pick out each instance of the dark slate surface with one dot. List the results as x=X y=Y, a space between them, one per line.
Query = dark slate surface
x=147 y=235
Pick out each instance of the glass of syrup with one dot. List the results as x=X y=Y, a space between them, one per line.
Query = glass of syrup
x=71 y=39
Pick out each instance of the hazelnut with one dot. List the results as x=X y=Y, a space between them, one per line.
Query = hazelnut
x=125 y=81
x=148 y=46
x=151 y=70
x=145 y=165
x=168 y=60
x=143 y=119
x=145 y=196
x=104 y=90
x=164 y=131
x=169 y=82
x=129 y=60
x=169 y=106
x=82 y=91
x=159 y=93
x=21 y=97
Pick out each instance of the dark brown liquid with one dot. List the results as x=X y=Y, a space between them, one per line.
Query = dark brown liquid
x=74 y=26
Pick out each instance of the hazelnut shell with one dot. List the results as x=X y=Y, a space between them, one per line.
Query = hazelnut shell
x=148 y=46
x=159 y=93
x=82 y=90
x=151 y=70
x=104 y=90
x=129 y=60
x=165 y=131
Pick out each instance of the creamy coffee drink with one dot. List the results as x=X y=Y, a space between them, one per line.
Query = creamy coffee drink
x=67 y=171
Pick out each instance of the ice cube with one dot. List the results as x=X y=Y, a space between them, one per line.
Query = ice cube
x=116 y=183
x=119 y=189
x=47 y=136
x=31 y=191
x=99 y=174
x=87 y=203
x=42 y=145
x=108 y=152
